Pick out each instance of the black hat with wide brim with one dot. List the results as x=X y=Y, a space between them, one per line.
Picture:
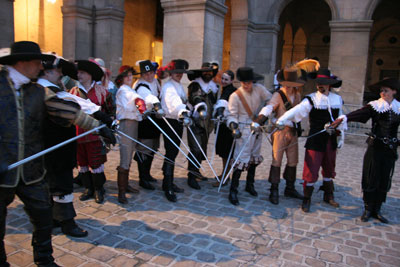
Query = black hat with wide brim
x=179 y=66
x=68 y=68
x=392 y=83
x=24 y=51
x=246 y=74
x=325 y=77
x=205 y=67
x=90 y=67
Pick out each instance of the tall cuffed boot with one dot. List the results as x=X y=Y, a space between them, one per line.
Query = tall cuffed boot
x=88 y=184
x=192 y=182
x=251 y=172
x=148 y=163
x=328 y=188
x=377 y=213
x=290 y=176
x=308 y=190
x=274 y=179
x=98 y=182
x=122 y=182
x=368 y=210
x=142 y=163
x=167 y=186
x=41 y=236
x=63 y=215
x=233 y=191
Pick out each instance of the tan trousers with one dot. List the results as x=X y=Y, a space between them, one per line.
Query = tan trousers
x=285 y=141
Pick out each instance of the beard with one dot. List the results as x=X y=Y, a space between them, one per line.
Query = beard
x=206 y=77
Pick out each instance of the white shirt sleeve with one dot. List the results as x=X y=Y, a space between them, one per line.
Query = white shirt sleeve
x=296 y=113
x=266 y=111
x=173 y=102
x=87 y=106
x=233 y=106
x=126 y=99
x=147 y=96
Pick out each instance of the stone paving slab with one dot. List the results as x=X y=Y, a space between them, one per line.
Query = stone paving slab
x=204 y=229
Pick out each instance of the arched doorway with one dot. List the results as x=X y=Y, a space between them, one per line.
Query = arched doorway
x=304 y=32
x=143 y=31
x=384 y=49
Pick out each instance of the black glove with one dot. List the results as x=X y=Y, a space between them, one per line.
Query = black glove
x=261 y=119
x=108 y=135
x=184 y=118
x=103 y=117
x=158 y=109
x=219 y=113
x=235 y=130
x=3 y=170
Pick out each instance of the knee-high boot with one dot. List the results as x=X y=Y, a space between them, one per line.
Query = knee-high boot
x=308 y=190
x=290 y=176
x=368 y=210
x=88 y=184
x=142 y=163
x=148 y=163
x=251 y=172
x=122 y=182
x=167 y=186
x=328 y=188
x=98 y=182
x=234 y=187
x=274 y=179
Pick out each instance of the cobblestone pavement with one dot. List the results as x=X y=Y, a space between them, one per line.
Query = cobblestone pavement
x=204 y=229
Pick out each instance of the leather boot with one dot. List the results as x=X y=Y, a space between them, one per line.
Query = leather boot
x=168 y=170
x=122 y=182
x=308 y=190
x=192 y=182
x=290 y=176
x=377 y=213
x=88 y=184
x=98 y=181
x=368 y=210
x=328 y=188
x=233 y=191
x=142 y=164
x=274 y=179
x=70 y=228
x=274 y=194
x=149 y=161
x=251 y=172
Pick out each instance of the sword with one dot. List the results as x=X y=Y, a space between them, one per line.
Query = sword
x=295 y=143
x=180 y=139
x=169 y=138
x=204 y=154
x=152 y=150
x=215 y=143
x=41 y=153
x=238 y=156
x=227 y=164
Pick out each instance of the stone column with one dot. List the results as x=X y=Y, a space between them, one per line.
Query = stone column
x=193 y=30
x=261 y=50
x=6 y=23
x=348 y=56
x=78 y=30
x=109 y=36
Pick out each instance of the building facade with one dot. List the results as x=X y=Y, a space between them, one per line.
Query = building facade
x=359 y=40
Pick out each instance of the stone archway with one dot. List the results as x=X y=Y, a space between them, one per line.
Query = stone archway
x=384 y=48
x=310 y=39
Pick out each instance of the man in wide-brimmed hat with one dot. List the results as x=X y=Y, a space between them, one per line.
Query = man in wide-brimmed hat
x=244 y=105
x=148 y=89
x=381 y=154
x=91 y=153
x=202 y=95
x=21 y=130
x=284 y=140
x=173 y=101
x=322 y=108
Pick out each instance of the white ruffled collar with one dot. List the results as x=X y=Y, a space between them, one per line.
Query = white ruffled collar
x=206 y=87
x=322 y=101
x=17 y=77
x=382 y=106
